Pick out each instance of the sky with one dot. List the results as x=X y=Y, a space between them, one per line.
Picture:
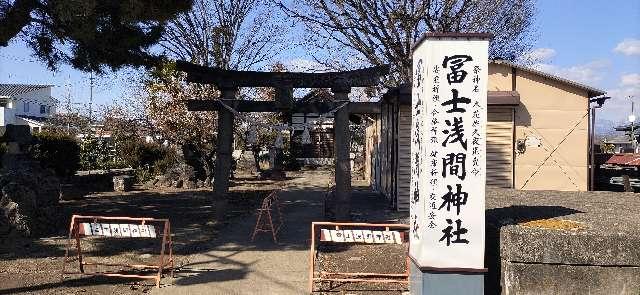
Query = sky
x=594 y=42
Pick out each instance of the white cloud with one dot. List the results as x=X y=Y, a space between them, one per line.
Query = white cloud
x=619 y=106
x=624 y=93
x=628 y=47
x=590 y=73
x=629 y=85
x=632 y=80
x=538 y=55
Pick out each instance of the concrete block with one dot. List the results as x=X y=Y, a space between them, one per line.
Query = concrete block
x=554 y=279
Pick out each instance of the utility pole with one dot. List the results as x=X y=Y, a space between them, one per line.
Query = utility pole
x=91 y=98
x=632 y=119
x=68 y=104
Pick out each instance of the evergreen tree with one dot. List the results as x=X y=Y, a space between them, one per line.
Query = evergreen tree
x=91 y=35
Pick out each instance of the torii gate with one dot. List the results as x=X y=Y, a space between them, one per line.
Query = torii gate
x=340 y=83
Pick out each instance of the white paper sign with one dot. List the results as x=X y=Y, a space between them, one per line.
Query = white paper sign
x=118 y=230
x=348 y=236
x=106 y=229
x=361 y=236
x=96 y=229
x=135 y=230
x=124 y=229
x=378 y=238
x=115 y=230
x=152 y=231
x=388 y=237
x=368 y=236
x=448 y=152
x=337 y=236
x=326 y=234
x=358 y=236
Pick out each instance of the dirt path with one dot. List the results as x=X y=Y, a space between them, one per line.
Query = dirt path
x=238 y=266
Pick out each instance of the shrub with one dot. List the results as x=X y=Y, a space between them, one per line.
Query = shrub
x=149 y=158
x=97 y=153
x=288 y=161
x=142 y=174
x=136 y=153
x=56 y=151
x=164 y=164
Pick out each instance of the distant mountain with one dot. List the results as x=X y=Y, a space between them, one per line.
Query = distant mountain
x=606 y=127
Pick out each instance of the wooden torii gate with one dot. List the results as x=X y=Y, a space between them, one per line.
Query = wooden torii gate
x=340 y=83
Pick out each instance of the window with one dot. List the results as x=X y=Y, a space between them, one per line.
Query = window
x=43 y=109
x=26 y=107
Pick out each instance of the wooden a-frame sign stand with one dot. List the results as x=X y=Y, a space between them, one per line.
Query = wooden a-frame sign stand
x=265 y=223
x=119 y=227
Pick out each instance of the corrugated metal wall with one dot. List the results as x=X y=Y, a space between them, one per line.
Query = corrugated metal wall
x=404 y=157
x=393 y=152
x=500 y=147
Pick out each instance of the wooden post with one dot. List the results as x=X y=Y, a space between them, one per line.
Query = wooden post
x=223 y=153
x=342 y=144
x=627 y=183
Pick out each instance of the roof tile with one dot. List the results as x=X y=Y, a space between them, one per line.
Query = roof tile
x=11 y=90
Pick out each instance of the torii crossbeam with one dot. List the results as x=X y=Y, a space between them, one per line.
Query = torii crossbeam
x=340 y=83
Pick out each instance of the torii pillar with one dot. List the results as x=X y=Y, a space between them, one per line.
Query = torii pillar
x=223 y=152
x=342 y=144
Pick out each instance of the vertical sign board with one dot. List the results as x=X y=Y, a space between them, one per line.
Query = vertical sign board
x=448 y=152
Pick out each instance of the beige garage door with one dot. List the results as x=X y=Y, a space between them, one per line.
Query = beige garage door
x=500 y=147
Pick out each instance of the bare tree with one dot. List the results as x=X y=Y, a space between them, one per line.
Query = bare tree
x=229 y=34
x=383 y=31
x=192 y=132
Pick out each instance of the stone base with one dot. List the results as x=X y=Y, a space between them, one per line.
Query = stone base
x=272 y=174
x=554 y=279
x=122 y=183
x=444 y=283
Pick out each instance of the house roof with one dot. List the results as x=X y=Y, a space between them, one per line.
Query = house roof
x=504 y=98
x=591 y=92
x=624 y=159
x=10 y=90
x=33 y=119
x=618 y=139
x=318 y=95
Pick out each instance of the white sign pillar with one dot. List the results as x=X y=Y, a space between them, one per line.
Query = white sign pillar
x=448 y=163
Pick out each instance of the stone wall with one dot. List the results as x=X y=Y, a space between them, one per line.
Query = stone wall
x=29 y=194
x=552 y=242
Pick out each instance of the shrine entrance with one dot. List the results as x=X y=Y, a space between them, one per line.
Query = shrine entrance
x=229 y=82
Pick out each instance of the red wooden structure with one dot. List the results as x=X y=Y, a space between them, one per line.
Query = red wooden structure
x=119 y=227
x=265 y=223
x=391 y=233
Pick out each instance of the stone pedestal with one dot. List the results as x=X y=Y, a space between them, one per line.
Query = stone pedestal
x=423 y=282
x=122 y=183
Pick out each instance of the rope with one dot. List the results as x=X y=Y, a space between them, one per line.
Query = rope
x=226 y=106
x=553 y=151
x=337 y=108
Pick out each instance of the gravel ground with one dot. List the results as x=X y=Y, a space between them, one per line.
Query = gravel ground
x=364 y=258
x=33 y=266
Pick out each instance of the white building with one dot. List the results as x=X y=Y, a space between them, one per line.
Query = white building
x=25 y=104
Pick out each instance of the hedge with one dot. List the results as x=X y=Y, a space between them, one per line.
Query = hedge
x=56 y=151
